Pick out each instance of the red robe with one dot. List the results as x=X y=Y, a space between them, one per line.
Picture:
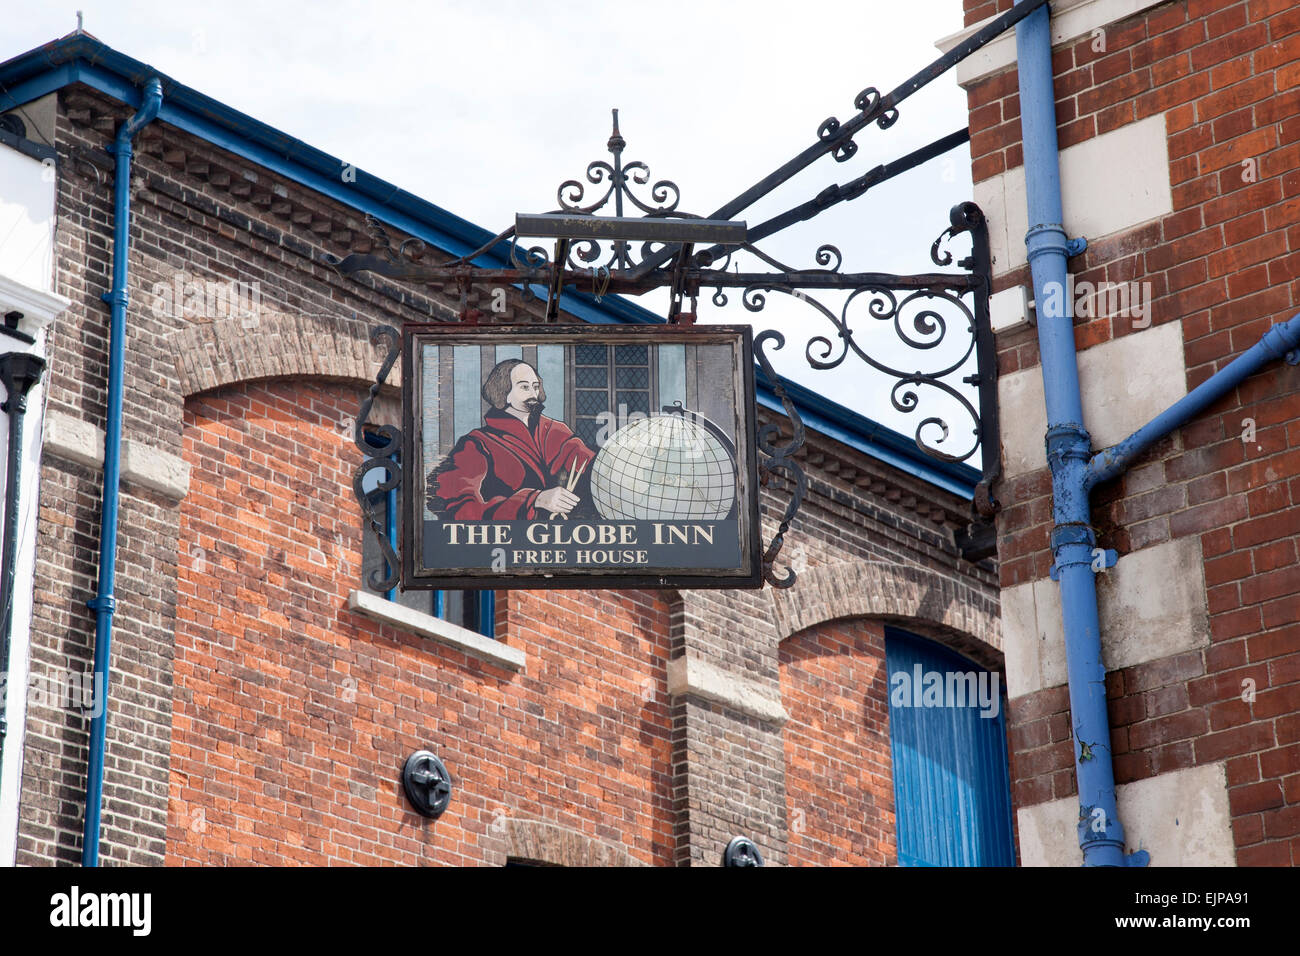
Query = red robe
x=496 y=472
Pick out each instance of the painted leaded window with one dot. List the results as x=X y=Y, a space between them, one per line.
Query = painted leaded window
x=611 y=383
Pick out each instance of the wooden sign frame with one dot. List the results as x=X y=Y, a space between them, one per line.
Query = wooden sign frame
x=649 y=431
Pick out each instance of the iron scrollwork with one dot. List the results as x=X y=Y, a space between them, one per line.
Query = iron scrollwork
x=940 y=318
x=969 y=218
x=618 y=178
x=381 y=446
x=839 y=137
x=664 y=192
x=924 y=319
x=780 y=458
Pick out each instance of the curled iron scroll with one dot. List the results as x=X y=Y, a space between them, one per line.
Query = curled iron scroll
x=380 y=448
x=917 y=323
x=780 y=460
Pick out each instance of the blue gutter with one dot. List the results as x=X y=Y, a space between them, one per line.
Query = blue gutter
x=878 y=441
x=104 y=602
x=80 y=58
x=1075 y=470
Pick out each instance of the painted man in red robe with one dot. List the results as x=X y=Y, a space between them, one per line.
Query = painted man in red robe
x=519 y=463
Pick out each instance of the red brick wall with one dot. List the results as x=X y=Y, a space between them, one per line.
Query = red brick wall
x=293 y=716
x=839 y=783
x=1226 y=265
x=977 y=10
x=242 y=584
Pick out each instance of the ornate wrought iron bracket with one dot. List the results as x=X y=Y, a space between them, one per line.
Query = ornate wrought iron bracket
x=925 y=311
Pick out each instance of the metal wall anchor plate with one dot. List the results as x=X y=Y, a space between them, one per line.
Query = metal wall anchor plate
x=741 y=851
x=427 y=783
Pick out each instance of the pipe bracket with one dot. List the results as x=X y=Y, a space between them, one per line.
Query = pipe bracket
x=1080 y=543
x=1076 y=246
x=1066 y=534
x=1281 y=341
x=1046 y=238
x=106 y=603
x=1068 y=441
x=1101 y=560
x=1098 y=828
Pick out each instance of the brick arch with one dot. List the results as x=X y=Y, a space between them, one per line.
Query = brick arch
x=226 y=351
x=550 y=843
x=926 y=601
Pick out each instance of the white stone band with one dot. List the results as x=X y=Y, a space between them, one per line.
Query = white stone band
x=75 y=440
x=690 y=675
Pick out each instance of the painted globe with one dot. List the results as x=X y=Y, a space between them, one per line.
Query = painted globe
x=663 y=468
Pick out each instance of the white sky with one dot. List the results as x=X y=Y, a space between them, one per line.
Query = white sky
x=484 y=109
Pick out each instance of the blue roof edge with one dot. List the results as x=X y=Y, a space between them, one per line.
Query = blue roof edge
x=80 y=57
x=871 y=437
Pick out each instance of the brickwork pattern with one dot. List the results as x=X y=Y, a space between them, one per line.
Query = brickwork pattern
x=232 y=738
x=1226 y=77
x=857 y=510
x=200 y=214
x=839 y=787
x=306 y=711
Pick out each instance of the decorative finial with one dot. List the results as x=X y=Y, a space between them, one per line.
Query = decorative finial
x=78 y=21
x=616 y=140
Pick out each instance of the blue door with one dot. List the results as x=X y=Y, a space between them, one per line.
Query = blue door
x=947 y=730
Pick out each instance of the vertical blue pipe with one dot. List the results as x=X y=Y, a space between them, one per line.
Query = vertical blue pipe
x=1101 y=837
x=391 y=528
x=487 y=608
x=105 y=603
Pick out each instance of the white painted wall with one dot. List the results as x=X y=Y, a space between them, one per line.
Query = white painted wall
x=27 y=191
x=26 y=220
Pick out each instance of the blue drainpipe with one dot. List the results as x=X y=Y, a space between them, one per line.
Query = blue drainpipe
x=104 y=602
x=1075 y=470
x=1068 y=449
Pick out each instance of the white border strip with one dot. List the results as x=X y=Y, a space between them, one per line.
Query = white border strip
x=36 y=306
x=444 y=632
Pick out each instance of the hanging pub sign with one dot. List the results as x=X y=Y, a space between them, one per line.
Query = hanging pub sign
x=579 y=456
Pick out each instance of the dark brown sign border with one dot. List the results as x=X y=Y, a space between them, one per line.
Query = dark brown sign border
x=748 y=573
